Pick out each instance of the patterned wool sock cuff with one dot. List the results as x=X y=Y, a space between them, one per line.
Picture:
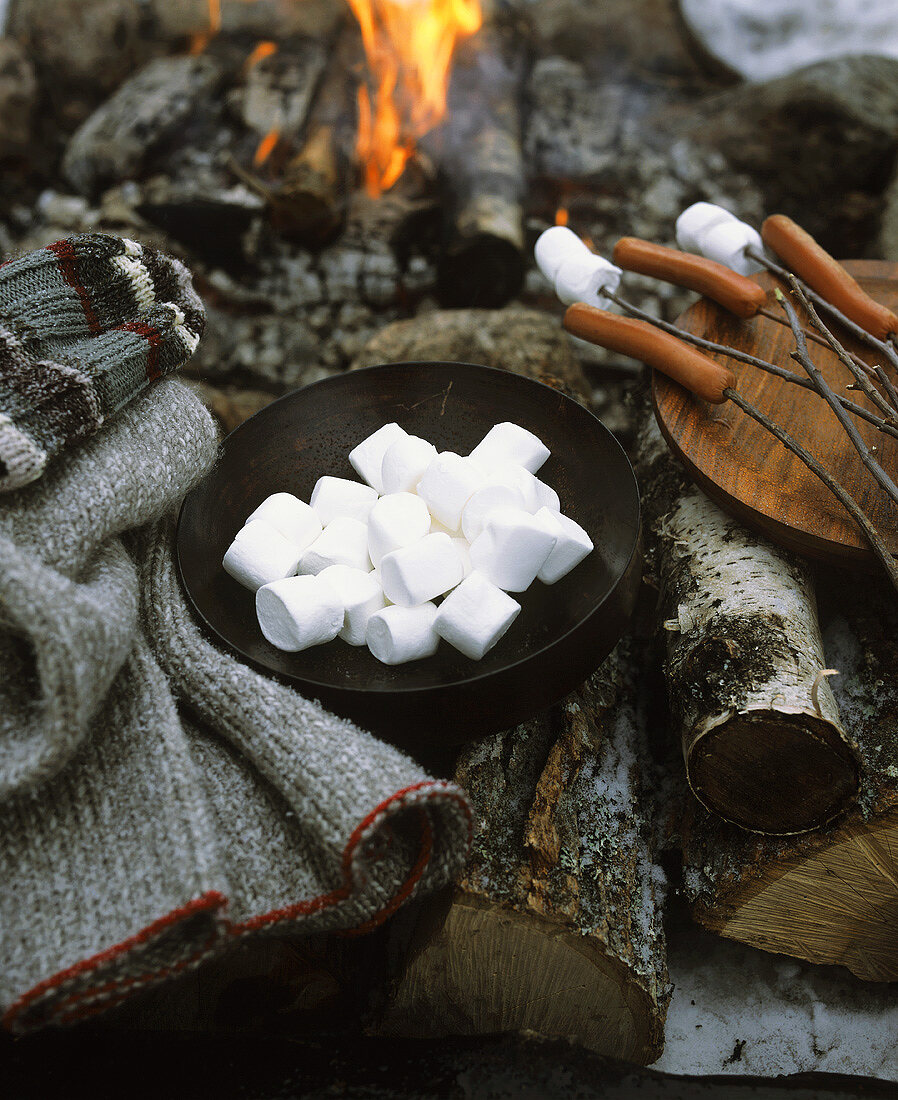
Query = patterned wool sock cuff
x=85 y=324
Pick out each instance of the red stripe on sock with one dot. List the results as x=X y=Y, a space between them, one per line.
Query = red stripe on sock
x=67 y=259
x=153 y=338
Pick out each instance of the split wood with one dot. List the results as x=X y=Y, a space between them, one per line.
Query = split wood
x=841 y=406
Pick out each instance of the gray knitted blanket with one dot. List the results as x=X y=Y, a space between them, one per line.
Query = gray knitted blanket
x=159 y=799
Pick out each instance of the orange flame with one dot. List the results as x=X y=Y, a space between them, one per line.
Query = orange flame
x=266 y=147
x=561 y=216
x=409 y=46
x=259 y=53
x=200 y=40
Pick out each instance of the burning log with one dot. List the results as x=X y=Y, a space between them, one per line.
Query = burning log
x=482 y=262
x=829 y=896
x=554 y=927
x=280 y=86
x=309 y=203
x=762 y=738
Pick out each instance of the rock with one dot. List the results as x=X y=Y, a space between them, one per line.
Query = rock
x=521 y=340
x=820 y=143
x=117 y=140
x=18 y=94
x=763 y=41
x=89 y=45
x=230 y=404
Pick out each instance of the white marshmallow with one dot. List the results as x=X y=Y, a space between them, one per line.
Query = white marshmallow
x=572 y=546
x=555 y=247
x=399 y=634
x=509 y=443
x=464 y=552
x=447 y=485
x=296 y=520
x=361 y=594
x=404 y=463
x=717 y=234
x=343 y=541
x=260 y=554
x=368 y=457
x=416 y=573
x=582 y=278
x=536 y=493
x=334 y=497
x=486 y=500
x=474 y=616
x=299 y=612
x=436 y=527
x=396 y=520
x=512 y=548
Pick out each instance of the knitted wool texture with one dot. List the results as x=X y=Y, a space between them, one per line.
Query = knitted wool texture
x=158 y=798
x=85 y=324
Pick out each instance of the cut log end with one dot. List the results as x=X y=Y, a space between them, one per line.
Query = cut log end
x=489 y=970
x=772 y=772
x=835 y=904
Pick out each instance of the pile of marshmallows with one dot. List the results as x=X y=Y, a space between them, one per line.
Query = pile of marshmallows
x=579 y=275
x=371 y=558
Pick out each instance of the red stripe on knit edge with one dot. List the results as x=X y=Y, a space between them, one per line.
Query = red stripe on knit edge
x=66 y=258
x=212 y=899
x=153 y=338
x=303 y=908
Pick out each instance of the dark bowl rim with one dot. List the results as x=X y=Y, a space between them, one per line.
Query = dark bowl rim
x=475 y=678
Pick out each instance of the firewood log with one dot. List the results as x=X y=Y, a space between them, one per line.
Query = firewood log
x=482 y=263
x=762 y=739
x=829 y=896
x=555 y=926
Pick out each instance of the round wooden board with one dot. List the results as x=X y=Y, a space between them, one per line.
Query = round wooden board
x=745 y=470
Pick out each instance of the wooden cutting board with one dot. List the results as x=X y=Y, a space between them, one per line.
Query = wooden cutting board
x=745 y=470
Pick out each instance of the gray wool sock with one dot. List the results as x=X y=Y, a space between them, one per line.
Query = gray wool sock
x=85 y=324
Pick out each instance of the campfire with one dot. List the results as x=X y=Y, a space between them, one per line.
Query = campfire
x=359 y=182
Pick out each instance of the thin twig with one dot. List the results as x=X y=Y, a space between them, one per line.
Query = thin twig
x=888 y=427
x=813 y=336
x=887 y=348
x=800 y=355
x=870 y=533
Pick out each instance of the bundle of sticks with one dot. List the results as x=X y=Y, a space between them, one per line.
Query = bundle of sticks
x=816 y=281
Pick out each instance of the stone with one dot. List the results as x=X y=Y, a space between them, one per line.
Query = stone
x=18 y=96
x=764 y=41
x=525 y=341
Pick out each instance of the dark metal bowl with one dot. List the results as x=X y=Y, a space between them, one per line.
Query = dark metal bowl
x=563 y=632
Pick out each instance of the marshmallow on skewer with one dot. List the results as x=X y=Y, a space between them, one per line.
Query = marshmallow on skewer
x=509 y=443
x=475 y=615
x=260 y=554
x=447 y=485
x=576 y=273
x=334 y=497
x=414 y=574
x=396 y=520
x=399 y=634
x=512 y=548
x=296 y=520
x=368 y=457
x=404 y=463
x=361 y=594
x=715 y=233
x=343 y=541
x=299 y=612
x=572 y=546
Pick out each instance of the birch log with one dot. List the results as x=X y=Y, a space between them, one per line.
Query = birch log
x=555 y=926
x=829 y=896
x=762 y=739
